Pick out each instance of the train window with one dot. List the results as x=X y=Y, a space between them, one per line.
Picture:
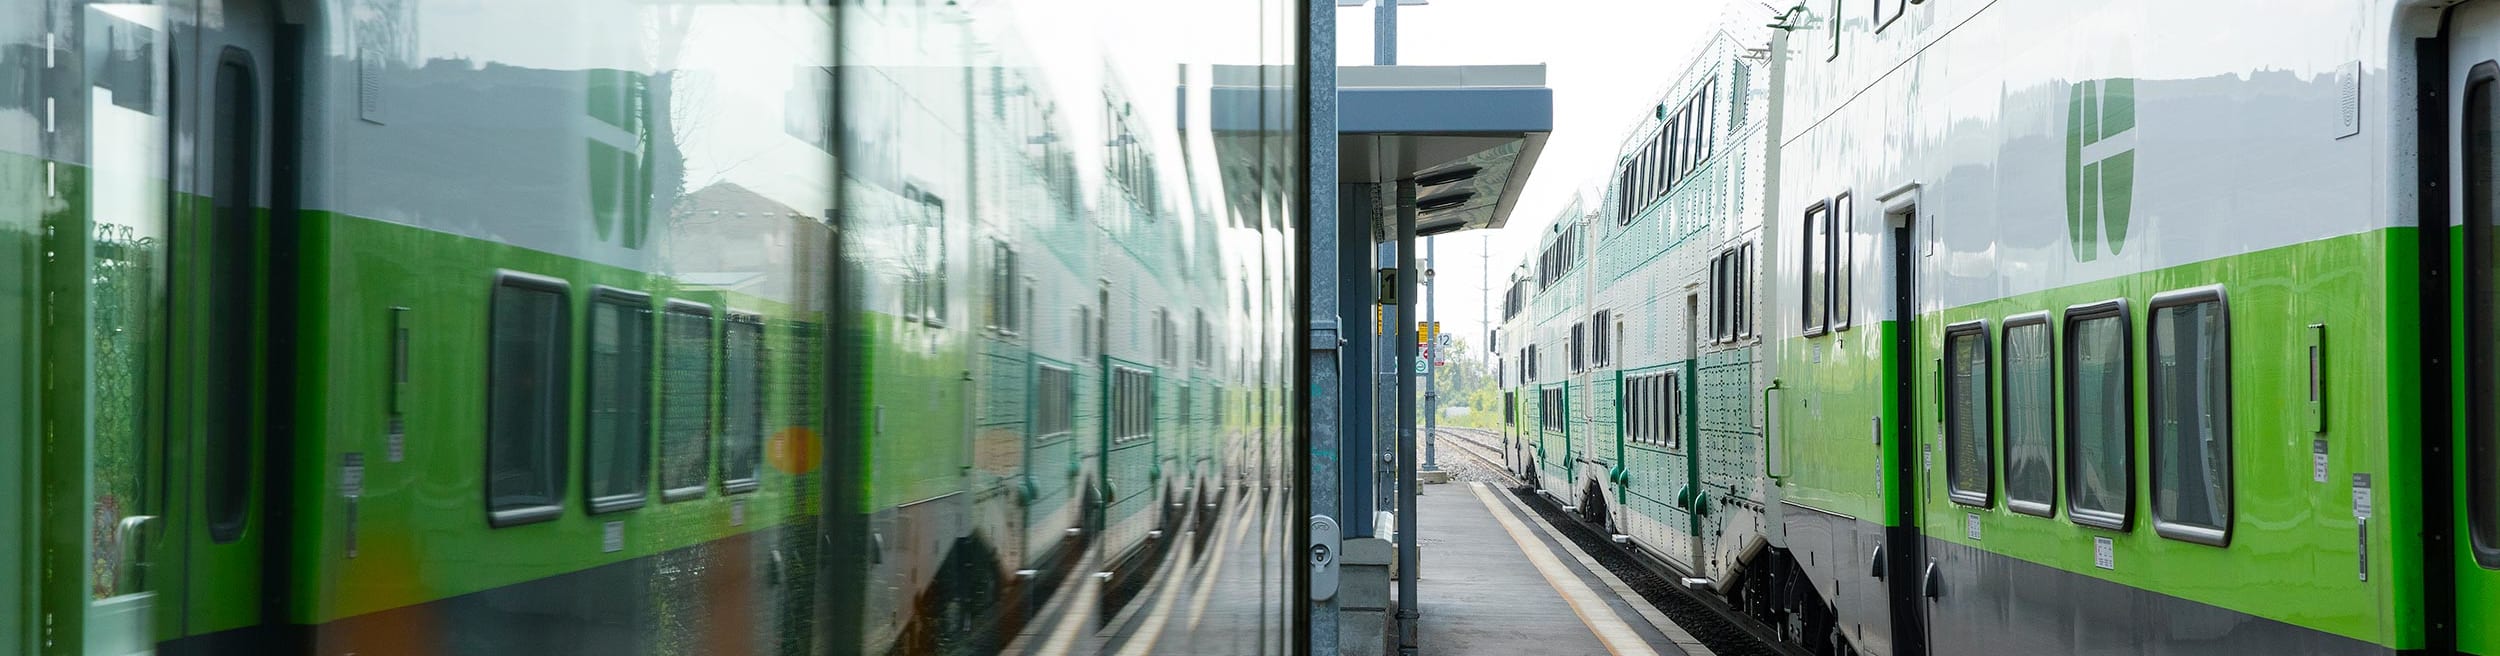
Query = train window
x=1510 y=411
x=232 y=251
x=1844 y=255
x=1635 y=408
x=1967 y=425
x=1004 y=314
x=1579 y=347
x=1054 y=402
x=1671 y=397
x=1085 y=331
x=742 y=402
x=1132 y=404
x=1815 y=267
x=924 y=294
x=1744 y=290
x=527 y=392
x=616 y=454
x=2100 y=416
x=1602 y=324
x=1550 y=409
x=2188 y=384
x=686 y=389
x=1204 y=345
x=1718 y=297
x=2030 y=385
x=2482 y=317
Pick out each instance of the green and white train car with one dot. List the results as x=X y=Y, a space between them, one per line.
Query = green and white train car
x=2137 y=327
x=620 y=328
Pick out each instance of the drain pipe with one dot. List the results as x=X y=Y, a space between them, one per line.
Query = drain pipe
x=1408 y=611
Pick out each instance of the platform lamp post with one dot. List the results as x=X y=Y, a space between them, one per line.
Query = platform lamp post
x=1432 y=366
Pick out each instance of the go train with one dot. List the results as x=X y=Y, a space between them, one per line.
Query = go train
x=2032 y=327
x=603 y=327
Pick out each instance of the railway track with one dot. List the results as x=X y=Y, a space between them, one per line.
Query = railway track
x=1485 y=447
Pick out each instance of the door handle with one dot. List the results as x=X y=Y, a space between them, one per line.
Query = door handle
x=1877 y=570
x=1769 y=426
x=127 y=551
x=1930 y=584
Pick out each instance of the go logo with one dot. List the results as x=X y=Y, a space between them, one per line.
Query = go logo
x=2100 y=165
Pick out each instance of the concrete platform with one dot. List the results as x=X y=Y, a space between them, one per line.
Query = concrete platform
x=1497 y=581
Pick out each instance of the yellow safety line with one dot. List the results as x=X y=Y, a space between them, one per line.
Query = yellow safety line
x=1618 y=637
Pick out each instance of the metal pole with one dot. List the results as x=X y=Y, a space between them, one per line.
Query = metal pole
x=1432 y=362
x=1385 y=32
x=1324 y=367
x=1407 y=571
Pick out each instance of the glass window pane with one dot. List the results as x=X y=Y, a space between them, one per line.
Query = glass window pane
x=1816 y=236
x=617 y=454
x=2030 y=416
x=2191 y=415
x=2099 y=420
x=526 y=392
x=1844 y=248
x=685 y=402
x=2482 y=324
x=1966 y=413
x=742 y=404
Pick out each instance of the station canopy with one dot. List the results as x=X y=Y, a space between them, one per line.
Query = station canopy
x=1468 y=135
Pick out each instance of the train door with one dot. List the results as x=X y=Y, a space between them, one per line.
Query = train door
x=103 y=479
x=1909 y=574
x=2473 y=218
x=227 y=392
x=1682 y=394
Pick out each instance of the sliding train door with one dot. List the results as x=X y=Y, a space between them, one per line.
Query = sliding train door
x=2473 y=232
x=227 y=390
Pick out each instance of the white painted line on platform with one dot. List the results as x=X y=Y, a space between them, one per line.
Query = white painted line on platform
x=1215 y=569
x=1675 y=632
x=1618 y=637
x=1072 y=624
x=1142 y=642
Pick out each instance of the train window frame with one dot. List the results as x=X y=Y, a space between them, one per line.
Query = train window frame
x=1883 y=19
x=2476 y=151
x=1054 y=402
x=1132 y=403
x=1834 y=55
x=1006 y=272
x=1814 y=288
x=725 y=381
x=556 y=415
x=1746 y=289
x=2005 y=443
x=638 y=366
x=1843 y=251
x=1957 y=489
x=2163 y=523
x=710 y=350
x=2110 y=310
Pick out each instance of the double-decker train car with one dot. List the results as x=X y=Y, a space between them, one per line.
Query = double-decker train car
x=594 y=327
x=2128 y=327
x=1634 y=386
x=2135 y=340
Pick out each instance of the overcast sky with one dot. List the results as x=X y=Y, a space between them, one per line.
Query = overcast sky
x=1606 y=60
